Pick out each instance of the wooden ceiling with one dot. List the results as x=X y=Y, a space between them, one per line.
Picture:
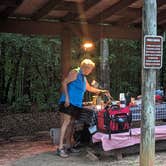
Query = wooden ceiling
x=90 y=18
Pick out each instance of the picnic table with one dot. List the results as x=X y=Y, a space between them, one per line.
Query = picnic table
x=89 y=116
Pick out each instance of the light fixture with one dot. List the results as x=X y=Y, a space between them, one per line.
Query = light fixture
x=87 y=45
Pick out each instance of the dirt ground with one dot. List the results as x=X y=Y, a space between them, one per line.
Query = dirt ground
x=42 y=153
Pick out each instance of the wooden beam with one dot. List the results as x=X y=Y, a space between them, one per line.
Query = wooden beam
x=100 y=32
x=132 y=14
x=160 y=3
x=47 y=28
x=83 y=6
x=45 y=9
x=66 y=53
x=11 y=2
x=69 y=6
x=138 y=19
x=147 y=146
x=162 y=22
x=163 y=27
x=112 y=10
x=9 y=9
x=31 y=27
x=161 y=16
x=7 y=12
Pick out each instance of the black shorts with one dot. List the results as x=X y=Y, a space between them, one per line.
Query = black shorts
x=71 y=110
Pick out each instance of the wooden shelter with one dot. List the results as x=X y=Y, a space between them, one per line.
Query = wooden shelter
x=95 y=19
x=120 y=19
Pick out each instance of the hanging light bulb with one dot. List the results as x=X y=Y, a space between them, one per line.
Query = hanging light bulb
x=88 y=44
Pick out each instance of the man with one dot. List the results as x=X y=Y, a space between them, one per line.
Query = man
x=74 y=87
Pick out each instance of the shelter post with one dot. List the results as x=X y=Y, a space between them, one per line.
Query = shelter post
x=104 y=64
x=66 y=53
x=147 y=146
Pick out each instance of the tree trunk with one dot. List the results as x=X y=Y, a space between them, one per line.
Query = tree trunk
x=16 y=72
x=66 y=53
x=2 y=74
x=8 y=83
x=26 y=78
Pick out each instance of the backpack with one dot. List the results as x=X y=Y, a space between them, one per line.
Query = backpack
x=114 y=119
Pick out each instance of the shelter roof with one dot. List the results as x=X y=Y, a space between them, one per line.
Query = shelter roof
x=94 y=18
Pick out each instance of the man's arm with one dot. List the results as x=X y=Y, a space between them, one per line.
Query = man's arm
x=92 y=89
x=97 y=91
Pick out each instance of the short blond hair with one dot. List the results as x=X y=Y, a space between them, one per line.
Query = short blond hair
x=87 y=63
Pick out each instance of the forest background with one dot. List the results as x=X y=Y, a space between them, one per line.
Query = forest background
x=30 y=69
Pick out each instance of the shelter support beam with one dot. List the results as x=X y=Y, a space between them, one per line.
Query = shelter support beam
x=66 y=53
x=147 y=147
x=56 y=28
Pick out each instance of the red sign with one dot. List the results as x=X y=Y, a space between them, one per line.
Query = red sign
x=153 y=52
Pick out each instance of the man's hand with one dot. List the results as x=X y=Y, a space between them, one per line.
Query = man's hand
x=67 y=103
x=104 y=91
x=107 y=93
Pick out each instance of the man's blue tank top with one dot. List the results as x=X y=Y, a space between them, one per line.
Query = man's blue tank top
x=76 y=90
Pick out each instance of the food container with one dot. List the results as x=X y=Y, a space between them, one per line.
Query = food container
x=94 y=100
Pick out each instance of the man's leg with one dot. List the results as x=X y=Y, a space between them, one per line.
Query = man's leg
x=66 y=122
x=69 y=133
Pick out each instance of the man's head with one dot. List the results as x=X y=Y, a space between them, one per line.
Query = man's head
x=87 y=66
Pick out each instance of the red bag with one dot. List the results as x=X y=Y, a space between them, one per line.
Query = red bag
x=114 y=120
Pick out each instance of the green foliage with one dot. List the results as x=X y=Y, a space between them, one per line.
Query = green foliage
x=125 y=66
x=32 y=70
x=22 y=104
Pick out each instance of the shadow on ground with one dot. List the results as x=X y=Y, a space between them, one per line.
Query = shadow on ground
x=42 y=153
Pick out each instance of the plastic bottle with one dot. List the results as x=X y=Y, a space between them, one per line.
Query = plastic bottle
x=122 y=100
